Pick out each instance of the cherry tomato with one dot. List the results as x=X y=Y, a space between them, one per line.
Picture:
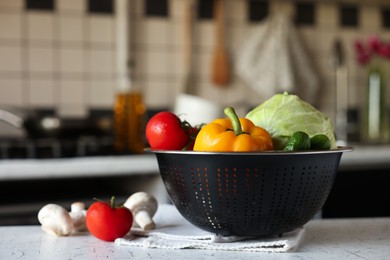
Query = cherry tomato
x=108 y=221
x=166 y=131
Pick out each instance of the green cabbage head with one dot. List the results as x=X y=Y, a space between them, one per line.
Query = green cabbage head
x=284 y=114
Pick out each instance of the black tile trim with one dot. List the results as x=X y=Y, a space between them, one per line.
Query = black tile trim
x=385 y=12
x=257 y=10
x=100 y=7
x=205 y=9
x=349 y=15
x=305 y=13
x=43 y=5
x=157 y=8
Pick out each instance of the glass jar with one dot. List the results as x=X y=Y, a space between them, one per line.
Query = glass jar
x=374 y=117
x=129 y=125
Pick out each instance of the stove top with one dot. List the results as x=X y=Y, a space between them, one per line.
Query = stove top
x=24 y=148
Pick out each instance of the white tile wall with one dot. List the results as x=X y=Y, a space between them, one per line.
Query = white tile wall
x=327 y=16
x=101 y=93
x=10 y=26
x=40 y=26
x=100 y=62
x=41 y=58
x=371 y=19
x=42 y=92
x=71 y=29
x=72 y=92
x=71 y=6
x=11 y=5
x=157 y=32
x=72 y=61
x=204 y=32
x=11 y=92
x=157 y=63
x=11 y=58
x=100 y=30
x=66 y=59
x=158 y=92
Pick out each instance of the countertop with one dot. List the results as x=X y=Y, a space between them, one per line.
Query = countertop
x=363 y=157
x=323 y=239
x=366 y=157
x=17 y=169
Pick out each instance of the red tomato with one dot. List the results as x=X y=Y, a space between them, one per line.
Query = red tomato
x=165 y=131
x=107 y=221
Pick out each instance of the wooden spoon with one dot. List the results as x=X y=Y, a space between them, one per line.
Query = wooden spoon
x=220 y=63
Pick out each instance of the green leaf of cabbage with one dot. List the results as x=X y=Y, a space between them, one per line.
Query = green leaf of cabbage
x=284 y=114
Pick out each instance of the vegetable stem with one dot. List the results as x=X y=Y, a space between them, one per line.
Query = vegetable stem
x=231 y=114
x=113 y=202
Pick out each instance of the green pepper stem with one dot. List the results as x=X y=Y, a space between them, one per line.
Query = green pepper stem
x=231 y=114
x=113 y=202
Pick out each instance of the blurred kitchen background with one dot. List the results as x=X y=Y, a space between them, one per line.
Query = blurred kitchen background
x=60 y=54
x=58 y=62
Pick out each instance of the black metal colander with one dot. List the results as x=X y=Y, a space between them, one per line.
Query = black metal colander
x=249 y=194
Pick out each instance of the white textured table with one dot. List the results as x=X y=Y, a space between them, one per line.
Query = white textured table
x=324 y=239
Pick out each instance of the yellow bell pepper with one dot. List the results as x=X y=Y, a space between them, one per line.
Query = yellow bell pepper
x=232 y=134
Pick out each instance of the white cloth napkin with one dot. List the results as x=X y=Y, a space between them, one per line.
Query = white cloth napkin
x=274 y=60
x=174 y=232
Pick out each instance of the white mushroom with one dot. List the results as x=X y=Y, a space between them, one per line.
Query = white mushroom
x=143 y=206
x=78 y=213
x=55 y=220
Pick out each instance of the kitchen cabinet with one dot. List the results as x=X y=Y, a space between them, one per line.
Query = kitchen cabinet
x=361 y=187
x=363 y=193
x=26 y=185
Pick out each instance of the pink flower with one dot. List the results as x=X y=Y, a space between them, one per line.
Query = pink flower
x=374 y=43
x=384 y=50
x=363 y=59
x=373 y=47
x=359 y=46
x=363 y=56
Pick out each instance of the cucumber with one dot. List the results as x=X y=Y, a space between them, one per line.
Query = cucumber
x=298 y=141
x=320 y=142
